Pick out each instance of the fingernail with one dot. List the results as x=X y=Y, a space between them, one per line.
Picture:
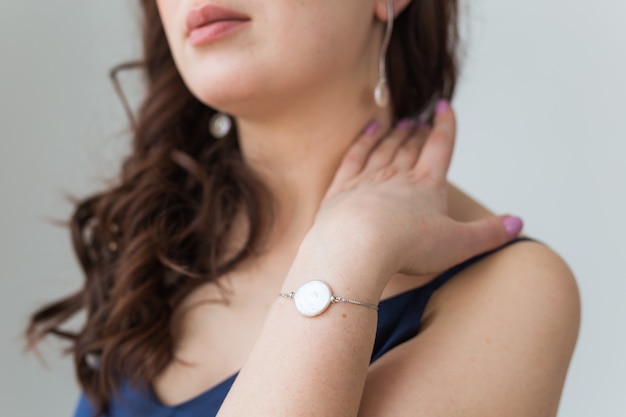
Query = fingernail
x=404 y=124
x=442 y=106
x=372 y=128
x=512 y=225
x=420 y=125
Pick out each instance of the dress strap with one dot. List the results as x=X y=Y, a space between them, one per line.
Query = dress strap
x=400 y=316
x=445 y=276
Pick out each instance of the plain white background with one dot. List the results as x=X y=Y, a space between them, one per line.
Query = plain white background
x=541 y=107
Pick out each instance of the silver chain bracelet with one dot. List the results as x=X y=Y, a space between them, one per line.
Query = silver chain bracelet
x=314 y=297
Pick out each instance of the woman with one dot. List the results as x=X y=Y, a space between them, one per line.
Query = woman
x=203 y=264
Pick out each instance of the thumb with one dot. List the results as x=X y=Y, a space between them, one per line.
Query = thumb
x=488 y=234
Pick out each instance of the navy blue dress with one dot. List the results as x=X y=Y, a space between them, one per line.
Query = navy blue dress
x=399 y=320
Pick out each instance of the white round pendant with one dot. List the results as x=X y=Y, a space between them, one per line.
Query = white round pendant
x=312 y=298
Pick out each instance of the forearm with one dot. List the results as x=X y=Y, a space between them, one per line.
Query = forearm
x=311 y=366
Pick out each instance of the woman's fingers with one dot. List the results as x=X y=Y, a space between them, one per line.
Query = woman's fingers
x=401 y=148
x=407 y=155
x=456 y=242
x=355 y=158
x=486 y=234
x=436 y=154
x=369 y=153
x=386 y=150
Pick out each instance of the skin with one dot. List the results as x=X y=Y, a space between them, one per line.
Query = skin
x=355 y=208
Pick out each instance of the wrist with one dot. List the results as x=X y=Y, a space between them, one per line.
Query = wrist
x=350 y=268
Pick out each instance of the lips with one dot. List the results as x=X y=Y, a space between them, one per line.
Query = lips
x=209 y=14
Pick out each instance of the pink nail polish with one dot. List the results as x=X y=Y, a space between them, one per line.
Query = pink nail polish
x=404 y=124
x=442 y=106
x=512 y=225
x=372 y=128
x=420 y=125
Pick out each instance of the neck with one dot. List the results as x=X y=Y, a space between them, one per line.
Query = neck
x=297 y=153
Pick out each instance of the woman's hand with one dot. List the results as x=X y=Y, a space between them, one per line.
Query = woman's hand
x=388 y=202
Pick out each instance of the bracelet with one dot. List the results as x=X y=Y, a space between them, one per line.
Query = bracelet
x=314 y=297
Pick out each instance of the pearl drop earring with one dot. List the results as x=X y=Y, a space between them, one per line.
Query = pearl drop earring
x=381 y=92
x=219 y=125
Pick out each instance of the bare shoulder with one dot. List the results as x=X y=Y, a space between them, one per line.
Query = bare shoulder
x=525 y=274
x=496 y=340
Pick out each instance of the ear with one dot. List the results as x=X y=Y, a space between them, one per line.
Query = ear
x=380 y=8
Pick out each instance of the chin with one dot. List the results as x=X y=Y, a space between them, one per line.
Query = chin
x=242 y=93
x=245 y=87
x=226 y=87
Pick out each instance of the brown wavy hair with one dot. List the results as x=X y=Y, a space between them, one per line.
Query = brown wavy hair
x=159 y=231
